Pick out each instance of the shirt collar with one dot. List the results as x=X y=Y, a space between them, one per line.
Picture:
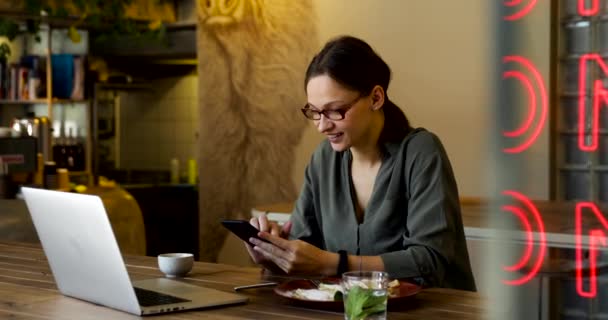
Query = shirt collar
x=390 y=148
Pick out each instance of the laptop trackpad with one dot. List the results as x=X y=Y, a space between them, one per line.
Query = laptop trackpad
x=190 y=292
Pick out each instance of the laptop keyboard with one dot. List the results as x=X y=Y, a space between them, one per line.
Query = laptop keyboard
x=148 y=298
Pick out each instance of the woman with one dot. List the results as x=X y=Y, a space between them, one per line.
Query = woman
x=378 y=194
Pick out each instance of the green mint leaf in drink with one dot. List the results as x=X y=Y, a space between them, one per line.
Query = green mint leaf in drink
x=362 y=302
x=377 y=308
x=354 y=302
x=374 y=300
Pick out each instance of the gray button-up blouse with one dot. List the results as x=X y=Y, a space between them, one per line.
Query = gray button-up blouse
x=412 y=220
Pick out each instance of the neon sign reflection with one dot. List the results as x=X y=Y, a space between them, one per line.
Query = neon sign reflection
x=596 y=236
x=600 y=95
x=532 y=104
x=522 y=12
x=529 y=238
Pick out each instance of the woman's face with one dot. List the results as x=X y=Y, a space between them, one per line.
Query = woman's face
x=325 y=94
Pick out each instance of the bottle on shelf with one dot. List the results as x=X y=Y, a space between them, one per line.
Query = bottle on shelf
x=13 y=77
x=69 y=150
x=3 y=78
x=4 y=180
x=79 y=151
x=192 y=171
x=59 y=150
x=63 y=179
x=22 y=83
x=34 y=80
x=50 y=175
x=39 y=174
x=174 y=170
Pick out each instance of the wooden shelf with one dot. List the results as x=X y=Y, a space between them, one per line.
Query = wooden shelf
x=49 y=101
x=70 y=20
x=70 y=101
x=78 y=173
x=40 y=101
x=24 y=102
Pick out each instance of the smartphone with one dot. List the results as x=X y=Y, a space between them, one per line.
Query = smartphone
x=242 y=229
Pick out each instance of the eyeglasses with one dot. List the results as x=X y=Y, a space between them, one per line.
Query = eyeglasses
x=337 y=114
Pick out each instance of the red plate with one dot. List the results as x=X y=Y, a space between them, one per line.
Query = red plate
x=405 y=291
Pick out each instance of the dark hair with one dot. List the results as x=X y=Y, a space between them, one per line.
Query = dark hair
x=353 y=63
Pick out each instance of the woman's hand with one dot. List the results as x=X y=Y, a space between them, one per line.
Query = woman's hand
x=264 y=225
x=295 y=256
x=261 y=223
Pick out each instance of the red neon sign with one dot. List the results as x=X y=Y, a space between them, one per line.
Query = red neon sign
x=532 y=102
x=521 y=13
x=600 y=94
x=596 y=236
x=593 y=10
x=583 y=11
x=529 y=239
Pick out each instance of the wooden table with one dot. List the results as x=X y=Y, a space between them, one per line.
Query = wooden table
x=28 y=291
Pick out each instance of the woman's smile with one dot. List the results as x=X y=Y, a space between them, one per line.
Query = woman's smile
x=335 y=137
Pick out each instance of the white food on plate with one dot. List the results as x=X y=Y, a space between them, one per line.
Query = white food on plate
x=325 y=292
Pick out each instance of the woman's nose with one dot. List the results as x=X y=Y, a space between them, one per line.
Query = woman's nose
x=324 y=124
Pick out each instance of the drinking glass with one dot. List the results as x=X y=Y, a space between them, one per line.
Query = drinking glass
x=365 y=295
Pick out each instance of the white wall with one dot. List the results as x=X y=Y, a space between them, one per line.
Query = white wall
x=440 y=53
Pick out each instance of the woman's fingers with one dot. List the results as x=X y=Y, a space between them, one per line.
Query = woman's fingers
x=263 y=223
x=266 y=252
x=292 y=256
x=276 y=240
x=278 y=250
x=275 y=229
x=259 y=258
x=254 y=222
x=285 y=230
x=274 y=254
x=255 y=256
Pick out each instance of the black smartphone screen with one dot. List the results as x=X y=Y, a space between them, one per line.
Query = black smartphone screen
x=242 y=229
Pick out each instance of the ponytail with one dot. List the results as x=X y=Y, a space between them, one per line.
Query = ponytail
x=396 y=124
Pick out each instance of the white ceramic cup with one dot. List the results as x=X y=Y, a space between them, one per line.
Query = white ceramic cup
x=175 y=264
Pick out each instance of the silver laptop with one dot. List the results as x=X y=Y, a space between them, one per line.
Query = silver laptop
x=82 y=252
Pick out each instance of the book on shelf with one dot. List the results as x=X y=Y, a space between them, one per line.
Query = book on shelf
x=26 y=80
x=78 y=83
x=22 y=84
x=14 y=80
x=3 y=79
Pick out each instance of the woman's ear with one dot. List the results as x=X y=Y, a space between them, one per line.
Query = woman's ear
x=378 y=97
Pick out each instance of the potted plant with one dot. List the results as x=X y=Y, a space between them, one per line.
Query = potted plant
x=108 y=18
